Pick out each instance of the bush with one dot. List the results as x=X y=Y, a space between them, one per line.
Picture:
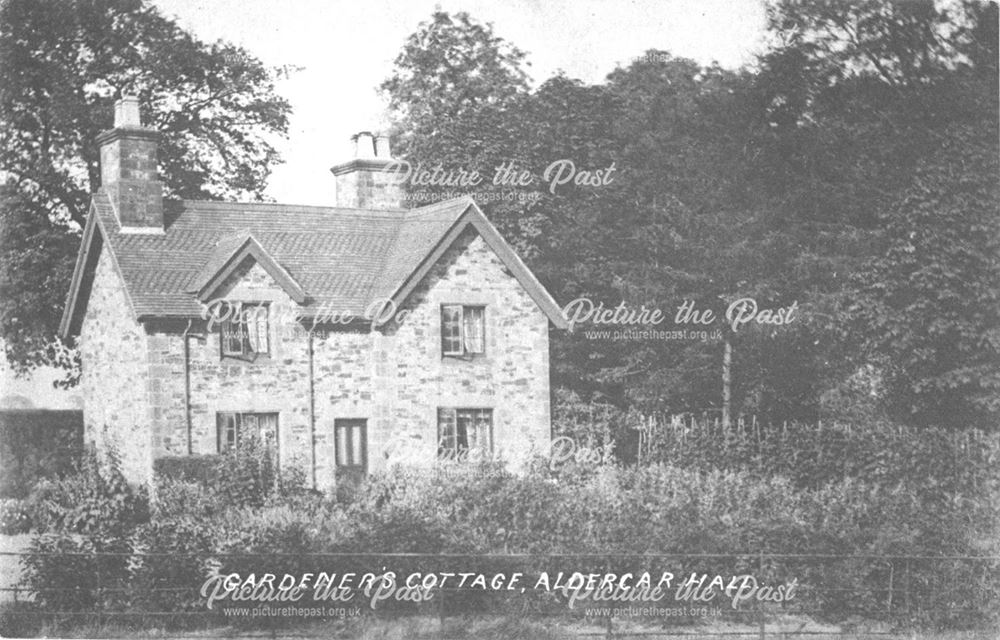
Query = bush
x=183 y=498
x=95 y=499
x=813 y=455
x=74 y=573
x=200 y=469
x=246 y=477
x=170 y=560
x=81 y=520
x=15 y=517
x=594 y=519
x=37 y=444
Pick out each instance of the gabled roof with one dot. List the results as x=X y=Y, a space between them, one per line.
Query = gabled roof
x=325 y=258
x=229 y=254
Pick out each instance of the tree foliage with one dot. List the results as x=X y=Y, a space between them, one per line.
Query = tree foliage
x=884 y=126
x=63 y=65
x=783 y=184
x=929 y=304
x=456 y=82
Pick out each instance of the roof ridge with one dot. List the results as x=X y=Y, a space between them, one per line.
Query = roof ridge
x=438 y=206
x=340 y=256
x=228 y=204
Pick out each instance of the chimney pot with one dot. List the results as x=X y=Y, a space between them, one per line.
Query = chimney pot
x=364 y=145
x=382 y=149
x=127 y=112
x=369 y=180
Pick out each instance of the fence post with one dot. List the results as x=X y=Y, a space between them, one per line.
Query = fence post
x=892 y=568
x=609 y=633
x=906 y=592
x=760 y=605
x=100 y=593
x=441 y=611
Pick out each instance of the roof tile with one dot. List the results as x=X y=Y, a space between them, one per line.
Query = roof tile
x=344 y=258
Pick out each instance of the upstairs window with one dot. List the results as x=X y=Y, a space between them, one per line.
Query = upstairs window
x=464 y=431
x=245 y=333
x=463 y=330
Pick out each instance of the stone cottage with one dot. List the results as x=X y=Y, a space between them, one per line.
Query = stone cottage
x=347 y=337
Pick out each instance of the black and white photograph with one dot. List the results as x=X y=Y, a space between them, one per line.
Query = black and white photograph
x=500 y=319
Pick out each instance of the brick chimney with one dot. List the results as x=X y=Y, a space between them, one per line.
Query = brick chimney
x=129 y=170
x=369 y=180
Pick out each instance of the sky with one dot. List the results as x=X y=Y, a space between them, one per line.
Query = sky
x=345 y=49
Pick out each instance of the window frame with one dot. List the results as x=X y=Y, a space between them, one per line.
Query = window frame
x=457 y=451
x=245 y=353
x=237 y=425
x=462 y=336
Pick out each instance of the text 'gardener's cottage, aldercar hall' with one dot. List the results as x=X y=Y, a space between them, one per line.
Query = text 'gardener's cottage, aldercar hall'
x=345 y=337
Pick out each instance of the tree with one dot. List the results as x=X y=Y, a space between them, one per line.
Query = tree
x=452 y=93
x=678 y=220
x=879 y=121
x=929 y=305
x=63 y=64
x=778 y=184
x=37 y=256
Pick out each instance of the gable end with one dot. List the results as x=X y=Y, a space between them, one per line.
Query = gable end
x=473 y=217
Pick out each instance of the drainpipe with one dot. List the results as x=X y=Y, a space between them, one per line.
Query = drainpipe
x=187 y=387
x=312 y=413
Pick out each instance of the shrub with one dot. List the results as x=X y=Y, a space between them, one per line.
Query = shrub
x=15 y=517
x=73 y=572
x=171 y=558
x=178 y=498
x=645 y=518
x=813 y=455
x=95 y=499
x=246 y=477
x=37 y=444
x=85 y=517
x=200 y=469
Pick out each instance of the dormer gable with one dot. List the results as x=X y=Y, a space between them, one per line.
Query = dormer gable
x=231 y=254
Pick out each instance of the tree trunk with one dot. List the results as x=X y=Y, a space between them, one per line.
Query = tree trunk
x=727 y=379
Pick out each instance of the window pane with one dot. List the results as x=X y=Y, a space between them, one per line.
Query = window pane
x=474 y=329
x=446 y=430
x=261 y=344
x=226 y=424
x=484 y=423
x=356 y=444
x=463 y=428
x=251 y=327
x=451 y=329
x=232 y=338
x=342 y=448
x=351 y=437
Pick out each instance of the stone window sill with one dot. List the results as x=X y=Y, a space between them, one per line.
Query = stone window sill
x=263 y=359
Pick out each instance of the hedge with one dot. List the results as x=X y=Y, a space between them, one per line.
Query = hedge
x=37 y=444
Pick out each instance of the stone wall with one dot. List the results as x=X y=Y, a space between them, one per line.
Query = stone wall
x=129 y=176
x=115 y=374
x=395 y=377
x=345 y=388
x=368 y=187
x=512 y=378
x=273 y=383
